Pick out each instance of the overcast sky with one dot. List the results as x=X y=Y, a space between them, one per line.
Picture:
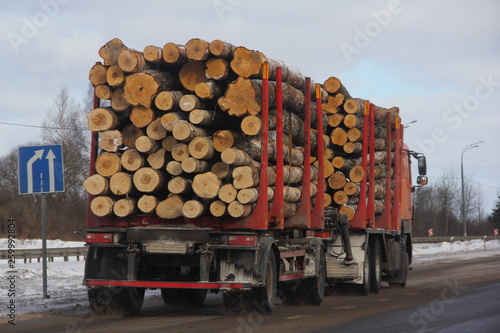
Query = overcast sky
x=439 y=61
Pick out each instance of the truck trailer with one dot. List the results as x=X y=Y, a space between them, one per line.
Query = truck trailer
x=256 y=259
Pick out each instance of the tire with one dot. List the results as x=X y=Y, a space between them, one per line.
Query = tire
x=376 y=266
x=365 y=286
x=265 y=297
x=312 y=291
x=111 y=300
x=135 y=299
x=183 y=296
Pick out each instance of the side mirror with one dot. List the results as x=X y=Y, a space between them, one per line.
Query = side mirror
x=422 y=165
x=422 y=180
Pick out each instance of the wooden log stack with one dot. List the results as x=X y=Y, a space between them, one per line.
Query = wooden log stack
x=181 y=135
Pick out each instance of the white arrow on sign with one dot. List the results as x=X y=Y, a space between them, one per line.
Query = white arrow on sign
x=37 y=156
x=52 y=176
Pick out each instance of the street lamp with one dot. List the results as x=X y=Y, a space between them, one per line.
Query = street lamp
x=472 y=145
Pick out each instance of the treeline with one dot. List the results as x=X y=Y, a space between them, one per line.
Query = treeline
x=66 y=212
x=438 y=207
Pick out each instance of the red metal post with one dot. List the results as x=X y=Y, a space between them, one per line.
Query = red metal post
x=318 y=215
x=370 y=223
x=386 y=216
x=398 y=156
x=277 y=211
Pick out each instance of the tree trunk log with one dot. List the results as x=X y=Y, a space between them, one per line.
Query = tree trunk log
x=291 y=194
x=193 y=209
x=352 y=189
x=208 y=90
x=248 y=195
x=174 y=168
x=180 y=152
x=243 y=96
x=102 y=206
x=197 y=49
x=130 y=133
x=115 y=76
x=221 y=169
x=97 y=74
x=132 y=160
x=354 y=106
x=146 y=145
x=147 y=204
x=153 y=54
x=353 y=147
x=334 y=120
x=174 y=54
x=206 y=185
x=218 y=69
x=168 y=120
x=221 y=49
x=111 y=140
x=227 y=193
x=108 y=164
x=168 y=100
x=168 y=143
x=179 y=185
x=193 y=165
x=125 y=207
x=96 y=185
x=185 y=131
x=238 y=210
x=192 y=73
x=190 y=102
x=103 y=91
x=339 y=136
x=201 y=148
x=110 y=51
x=357 y=174
x=102 y=119
x=337 y=181
x=218 y=208
x=237 y=157
x=121 y=183
x=245 y=177
x=148 y=180
x=132 y=61
x=348 y=210
x=340 y=197
x=353 y=121
x=158 y=160
x=156 y=130
x=170 y=208
x=141 y=88
x=118 y=100
x=142 y=116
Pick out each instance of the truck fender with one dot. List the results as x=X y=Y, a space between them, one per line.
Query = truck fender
x=316 y=245
x=265 y=245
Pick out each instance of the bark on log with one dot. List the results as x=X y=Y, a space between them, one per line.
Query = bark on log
x=168 y=120
x=130 y=133
x=228 y=193
x=125 y=207
x=102 y=206
x=245 y=177
x=203 y=117
x=156 y=130
x=121 y=183
x=174 y=54
x=348 y=210
x=102 y=119
x=118 y=100
x=96 y=185
x=218 y=69
x=132 y=61
x=221 y=49
x=180 y=152
x=334 y=86
x=353 y=121
x=158 y=160
x=208 y=90
x=142 y=116
x=185 y=131
x=237 y=157
x=192 y=73
x=141 y=88
x=170 y=208
x=220 y=169
x=354 y=106
x=353 y=147
x=115 y=76
x=291 y=194
x=197 y=49
x=108 y=164
x=218 y=208
x=146 y=145
x=193 y=165
x=148 y=180
x=174 y=168
x=103 y=91
x=201 y=148
x=179 y=185
x=206 y=185
x=97 y=74
x=380 y=113
x=147 y=203
x=110 y=51
x=243 y=96
x=290 y=209
x=153 y=54
x=132 y=160
x=110 y=141
x=168 y=100
x=238 y=210
x=193 y=209
x=248 y=195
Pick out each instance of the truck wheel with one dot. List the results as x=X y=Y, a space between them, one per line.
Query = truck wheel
x=365 y=286
x=134 y=299
x=400 y=278
x=183 y=296
x=265 y=296
x=312 y=291
x=376 y=266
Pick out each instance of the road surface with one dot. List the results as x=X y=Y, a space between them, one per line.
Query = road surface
x=447 y=296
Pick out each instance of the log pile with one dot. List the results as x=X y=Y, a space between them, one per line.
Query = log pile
x=181 y=135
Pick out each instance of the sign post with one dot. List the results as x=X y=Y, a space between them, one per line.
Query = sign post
x=41 y=171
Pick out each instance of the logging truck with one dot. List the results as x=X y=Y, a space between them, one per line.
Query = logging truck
x=289 y=206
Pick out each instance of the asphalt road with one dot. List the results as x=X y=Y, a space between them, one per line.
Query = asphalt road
x=447 y=296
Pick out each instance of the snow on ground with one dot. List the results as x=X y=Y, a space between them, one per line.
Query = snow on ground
x=68 y=294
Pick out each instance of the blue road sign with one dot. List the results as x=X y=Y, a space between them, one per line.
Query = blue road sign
x=41 y=169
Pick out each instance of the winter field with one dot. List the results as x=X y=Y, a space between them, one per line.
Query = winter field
x=68 y=294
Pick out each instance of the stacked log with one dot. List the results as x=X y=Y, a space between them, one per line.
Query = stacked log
x=182 y=135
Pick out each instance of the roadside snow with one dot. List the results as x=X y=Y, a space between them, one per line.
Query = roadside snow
x=68 y=294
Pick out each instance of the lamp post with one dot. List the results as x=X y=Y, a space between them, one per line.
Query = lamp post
x=462 y=208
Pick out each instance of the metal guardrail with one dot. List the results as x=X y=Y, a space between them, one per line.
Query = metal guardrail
x=29 y=254
x=451 y=239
